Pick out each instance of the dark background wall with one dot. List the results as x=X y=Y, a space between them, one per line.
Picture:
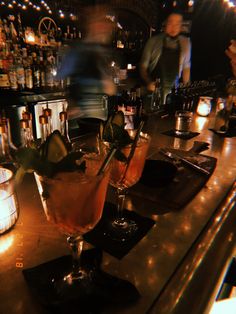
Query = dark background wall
x=213 y=25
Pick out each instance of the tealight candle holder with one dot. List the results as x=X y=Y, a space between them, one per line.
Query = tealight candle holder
x=8 y=201
x=204 y=106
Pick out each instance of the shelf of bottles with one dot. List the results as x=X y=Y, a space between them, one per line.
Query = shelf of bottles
x=29 y=59
x=129 y=40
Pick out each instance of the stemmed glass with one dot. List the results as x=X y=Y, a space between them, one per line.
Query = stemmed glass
x=74 y=201
x=124 y=175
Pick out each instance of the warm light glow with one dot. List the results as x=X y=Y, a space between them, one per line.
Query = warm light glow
x=129 y=66
x=190 y=3
x=29 y=37
x=200 y=122
x=204 y=106
x=6 y=243
x=8 y=211
x=224 y=306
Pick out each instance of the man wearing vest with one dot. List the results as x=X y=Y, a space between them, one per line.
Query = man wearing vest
x=167 y=57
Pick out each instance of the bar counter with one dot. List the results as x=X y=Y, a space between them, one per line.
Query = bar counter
x=177 y=267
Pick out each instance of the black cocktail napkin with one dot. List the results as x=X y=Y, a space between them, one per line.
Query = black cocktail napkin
x=182 y=136
x=101 y=235
x=100 y=292
x=229 y=133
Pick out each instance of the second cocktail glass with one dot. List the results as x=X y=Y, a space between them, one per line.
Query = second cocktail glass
x=124 y=175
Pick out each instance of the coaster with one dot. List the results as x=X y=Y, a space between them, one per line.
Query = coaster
x=102 y=291
x=100 y=237
x=229 y=133
x=182 y=136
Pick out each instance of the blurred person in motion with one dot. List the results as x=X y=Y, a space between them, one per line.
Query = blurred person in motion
x=231 y=53
x=167 y=57
x=88 y=65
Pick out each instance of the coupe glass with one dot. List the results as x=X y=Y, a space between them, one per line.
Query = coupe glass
x=124 y=175
x=73 y=201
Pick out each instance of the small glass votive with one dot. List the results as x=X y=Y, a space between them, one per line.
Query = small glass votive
x=204 y=106
x=183 y=119
x=8 y=201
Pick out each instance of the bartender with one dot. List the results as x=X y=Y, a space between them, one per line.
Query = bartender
x=167 y=57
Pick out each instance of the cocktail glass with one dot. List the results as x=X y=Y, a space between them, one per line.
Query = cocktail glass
x=124 y=175
x=73 y=201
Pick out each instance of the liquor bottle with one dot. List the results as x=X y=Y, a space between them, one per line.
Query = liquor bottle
x=6 y=121
x=64 y=125
x=47 y=112
x=27 y=115
x=13 y=77
x=28 y=75
x=43 y=121
x=42 y=70
x=4 y=78
x=5 y=155
x=20 y=72
x=35 y=71
x=27 y=139
x=49 y=73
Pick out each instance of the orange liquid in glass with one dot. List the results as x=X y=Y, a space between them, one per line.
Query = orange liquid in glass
x=135 y=167
x=75 y=200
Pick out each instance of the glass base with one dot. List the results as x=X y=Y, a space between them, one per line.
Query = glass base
x=182 y=132
x=122 y=229
x=70 y=287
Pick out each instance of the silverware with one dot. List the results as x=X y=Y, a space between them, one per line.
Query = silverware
x=175 y=156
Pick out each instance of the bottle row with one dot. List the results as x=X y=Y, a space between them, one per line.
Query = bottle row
x=29 y=68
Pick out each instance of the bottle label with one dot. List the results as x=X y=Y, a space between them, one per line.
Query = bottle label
x=13 y=79
x=49 y=79
x=28 y=78
x=37 y=78
x=20 y=73
x=43 y=79
x=4 y=81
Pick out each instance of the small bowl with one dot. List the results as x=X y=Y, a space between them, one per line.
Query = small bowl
x=157 y=173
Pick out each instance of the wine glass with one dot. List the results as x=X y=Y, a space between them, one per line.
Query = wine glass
x=123 y=175
x=74 y=201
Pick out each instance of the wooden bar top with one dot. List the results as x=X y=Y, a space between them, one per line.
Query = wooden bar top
x=153 y=262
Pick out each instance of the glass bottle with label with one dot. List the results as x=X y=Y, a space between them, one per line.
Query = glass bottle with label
x=5 y=155
x=26 y=136
x=20 y=73
x=64 y=125
x=48 y=113
x=43 y=121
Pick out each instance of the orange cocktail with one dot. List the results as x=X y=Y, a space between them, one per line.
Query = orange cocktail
x=73 y=200
x=120 y=176
x=124 y=175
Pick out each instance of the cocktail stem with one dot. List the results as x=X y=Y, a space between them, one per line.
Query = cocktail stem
x=121 y=193
x=76 y=246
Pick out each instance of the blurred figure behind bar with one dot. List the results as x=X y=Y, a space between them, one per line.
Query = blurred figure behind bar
x=167 y=57
x=231 y=53
x=88 y=65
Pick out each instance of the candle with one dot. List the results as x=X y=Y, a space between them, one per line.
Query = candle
x=8 y=201
x=204 y=106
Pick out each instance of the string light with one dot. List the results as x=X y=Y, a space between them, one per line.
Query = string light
x=229 y=3
x=38 y=5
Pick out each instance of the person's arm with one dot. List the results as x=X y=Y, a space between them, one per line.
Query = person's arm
x=68 y=65
x=187 y=63
x=144 y=65
x=231 y=53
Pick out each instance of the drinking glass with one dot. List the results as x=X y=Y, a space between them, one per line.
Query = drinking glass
x=183 y=119
x=123 y=175
x=74 y=201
